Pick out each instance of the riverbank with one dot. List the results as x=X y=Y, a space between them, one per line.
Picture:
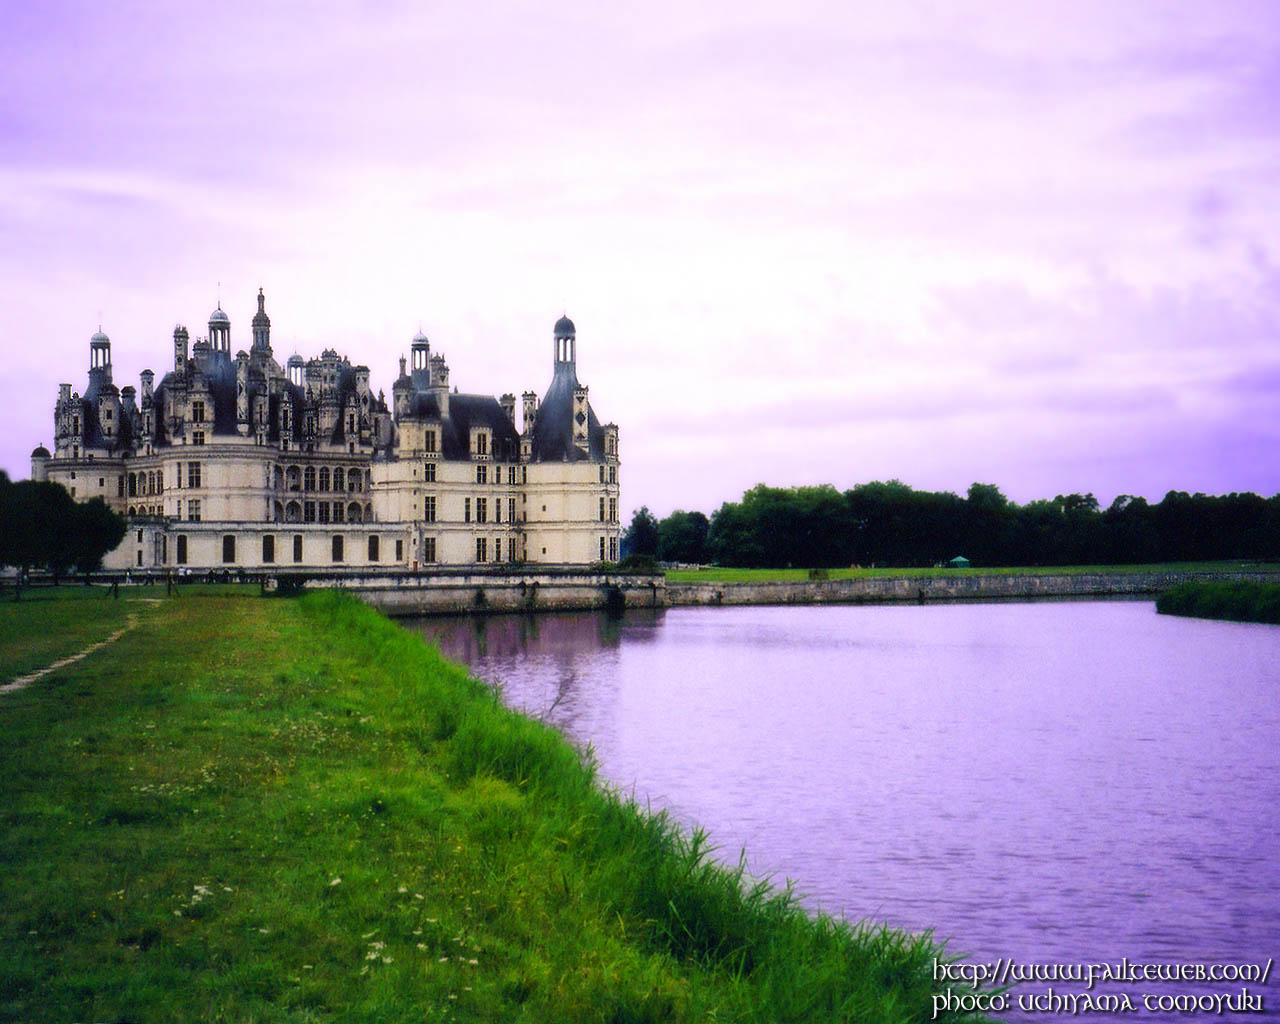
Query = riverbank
x=958 y=585
x=291 y=809
x=1234 y=602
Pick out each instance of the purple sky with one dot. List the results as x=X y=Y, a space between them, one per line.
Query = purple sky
x=1033 y=244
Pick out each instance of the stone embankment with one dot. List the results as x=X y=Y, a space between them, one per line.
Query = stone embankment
x=958 y=586
x=460 y=592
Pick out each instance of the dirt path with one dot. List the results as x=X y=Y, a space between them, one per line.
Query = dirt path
x=31 y=677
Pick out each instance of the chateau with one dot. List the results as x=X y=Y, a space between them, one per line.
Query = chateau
x=237 y=462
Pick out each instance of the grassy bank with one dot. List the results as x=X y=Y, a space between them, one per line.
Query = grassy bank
x=255 y=809
x=717 y=574
x=1237 y=602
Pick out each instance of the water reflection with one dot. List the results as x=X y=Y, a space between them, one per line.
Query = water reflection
x=1053 y=782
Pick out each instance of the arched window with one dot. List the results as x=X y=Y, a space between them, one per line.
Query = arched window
x=294 y=478
x=353 y=512
x=133 y=486
x=278 y=511
x=293 y=512
x=277 y=478
x=324 y=478
x=309 y=478
x=368 y=513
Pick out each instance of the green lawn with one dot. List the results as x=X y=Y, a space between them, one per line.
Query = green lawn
x=725 y=575
x=275 y=809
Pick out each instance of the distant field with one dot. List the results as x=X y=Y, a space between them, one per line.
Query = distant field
x=721 y=575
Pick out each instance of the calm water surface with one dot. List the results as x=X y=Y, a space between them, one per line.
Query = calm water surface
x=1053 y=782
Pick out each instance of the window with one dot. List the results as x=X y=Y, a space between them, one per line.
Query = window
x=482 y=549
x=323 y=509
x=268 y=547
x=337 y=547
x=482 y=473
x=429 y=508
x=193 y=511
x=309 y=478
x=297 y=547
x=613 y=510
x=429 y=472
x=373 y=549
x=602 y=549
x=339 y=480
x=497 y=510
x=482 y=510
x=511 y=510
x=75 y=425
x=428 y=549
x=229 y=548
x=482 y=444
x=197 y=437
x=119 y=487
x=431 y=441
x=324 y=478
x=613 y=474
x=602 y=513
x=337 y=511
x=524 y=474
x=197 y=412
x=511 y=476
x=139 y=536
x=193 y=474
x=602 y=474
x=182 y=549
x=613 y=549
x=511 y=549
x=466 y=510
x=308 y=511
x=399 y=551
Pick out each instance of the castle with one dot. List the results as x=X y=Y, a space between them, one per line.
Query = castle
x=241 y=463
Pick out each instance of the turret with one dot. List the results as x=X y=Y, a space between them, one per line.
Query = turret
x=220 y=334
x=261 y=328
x=565 y=337
x=419 y=355
x=508 y=403
x=401 y=392
x=180 y=357
x=530 y=411
x=148 y=381
x=440 y=383
x=295 y=368
x=99 y=361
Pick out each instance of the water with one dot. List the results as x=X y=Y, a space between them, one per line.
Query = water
x=1050 y=782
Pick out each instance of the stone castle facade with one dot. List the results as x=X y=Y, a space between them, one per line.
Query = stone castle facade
x=237 y=462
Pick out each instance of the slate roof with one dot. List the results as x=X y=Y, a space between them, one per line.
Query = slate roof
x=553 y=426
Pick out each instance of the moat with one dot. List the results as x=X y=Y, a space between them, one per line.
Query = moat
x=1052 y=782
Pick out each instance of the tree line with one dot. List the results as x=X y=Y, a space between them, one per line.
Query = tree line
x=43 y=527
x=891 y=524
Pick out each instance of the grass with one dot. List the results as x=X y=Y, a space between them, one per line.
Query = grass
x=1236 y=602
x=292 y=810
x=716 y=574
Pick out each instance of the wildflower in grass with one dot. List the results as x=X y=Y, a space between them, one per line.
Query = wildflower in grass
x=336 y=881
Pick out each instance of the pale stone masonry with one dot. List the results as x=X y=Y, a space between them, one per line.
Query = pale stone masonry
x=241 y=463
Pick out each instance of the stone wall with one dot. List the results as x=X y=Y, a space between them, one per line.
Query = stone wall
x=966 y=586
x=453 y=593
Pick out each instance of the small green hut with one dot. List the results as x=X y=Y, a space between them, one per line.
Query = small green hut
x=959 y=562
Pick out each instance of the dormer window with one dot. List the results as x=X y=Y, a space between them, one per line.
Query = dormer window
x=197 y=412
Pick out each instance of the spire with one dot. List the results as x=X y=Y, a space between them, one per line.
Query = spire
x=261 y=326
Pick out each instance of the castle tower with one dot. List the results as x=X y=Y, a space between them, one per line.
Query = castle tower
x=295 y=368
x=261 y=328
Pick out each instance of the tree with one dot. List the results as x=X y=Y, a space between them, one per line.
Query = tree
x=641 y=537
x=41 y=525
x=682 y=537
